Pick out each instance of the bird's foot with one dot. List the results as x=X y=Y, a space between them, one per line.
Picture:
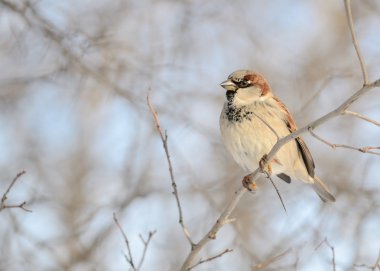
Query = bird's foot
x=249 y=184
x=269 y=168
x=262 y=163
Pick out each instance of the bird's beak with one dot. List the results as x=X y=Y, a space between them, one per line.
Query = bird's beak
x=229 y=85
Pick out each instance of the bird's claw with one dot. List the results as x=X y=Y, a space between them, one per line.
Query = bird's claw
x=248 y=184
x=263 y=161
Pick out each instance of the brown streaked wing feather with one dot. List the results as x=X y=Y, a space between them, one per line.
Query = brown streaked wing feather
x=306 y=156
x=289 y=120
x=305 y=153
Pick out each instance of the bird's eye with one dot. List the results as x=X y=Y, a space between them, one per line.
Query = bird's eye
x=244 y=83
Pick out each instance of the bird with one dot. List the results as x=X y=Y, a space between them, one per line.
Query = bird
x=251 y=122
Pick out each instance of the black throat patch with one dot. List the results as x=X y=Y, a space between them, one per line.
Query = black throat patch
x=237 y=114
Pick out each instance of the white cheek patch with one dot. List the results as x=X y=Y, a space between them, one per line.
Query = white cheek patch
x=246 y=96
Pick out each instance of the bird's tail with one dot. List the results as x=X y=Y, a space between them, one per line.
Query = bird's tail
x=321 y=189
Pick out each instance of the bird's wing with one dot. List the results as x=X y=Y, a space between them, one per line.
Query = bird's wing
x=306 y=156
x=302 y=148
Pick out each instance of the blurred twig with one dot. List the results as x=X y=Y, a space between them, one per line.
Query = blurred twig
x=375 y=266
x=325 y=241
x=146 y=244
x=227 y=250
x=264 y=264
x=129 y=257
x=164 y=139
x=33 y=18
x=377 y=263
x=347 y=4
x=4 y=198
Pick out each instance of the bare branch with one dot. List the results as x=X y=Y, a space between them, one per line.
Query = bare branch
x=357 y=115
x=128 y=257
x=227 y=250
x=373 y=267
x=377 y=263
x=325 y=241
x=164 y=139
x=223 y=219
x=334 y=146
x=264 y=264
x=4 y=198
x=347 y=4
x=146 y=244
x=57 y=37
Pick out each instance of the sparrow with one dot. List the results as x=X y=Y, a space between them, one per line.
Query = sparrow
x=251 y=122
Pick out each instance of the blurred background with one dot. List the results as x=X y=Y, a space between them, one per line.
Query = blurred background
x=73 y=85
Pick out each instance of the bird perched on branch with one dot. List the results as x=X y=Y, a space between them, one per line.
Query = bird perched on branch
x=252 y=121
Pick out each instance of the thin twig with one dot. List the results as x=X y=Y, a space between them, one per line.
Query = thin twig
x=227 y=250
x=321 y=88
x=344 y=146
x=373 y=267
x=376 y=265
x=347 y=4
x=128 y=257
x=4 y=198
x=262 y=265
x=277 y=191
x=325 y=241
x=57 y=37
x=357 y=115
x=164 y=139
x=146 y=244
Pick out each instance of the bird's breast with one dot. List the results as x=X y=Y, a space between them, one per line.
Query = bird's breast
x=246 y=133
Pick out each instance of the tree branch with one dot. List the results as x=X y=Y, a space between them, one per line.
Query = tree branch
x=377 y=263
x=325 y=241
x=347 y=5
x=227 y=250
x=129 y=257
x=223 y=219
x=262 y=265
x=334 y=146
x=4 y=198
x=357 y=115
x=164 y=139
x=146 y=244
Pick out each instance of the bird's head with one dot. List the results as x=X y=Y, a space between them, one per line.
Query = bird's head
x=245 y=87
